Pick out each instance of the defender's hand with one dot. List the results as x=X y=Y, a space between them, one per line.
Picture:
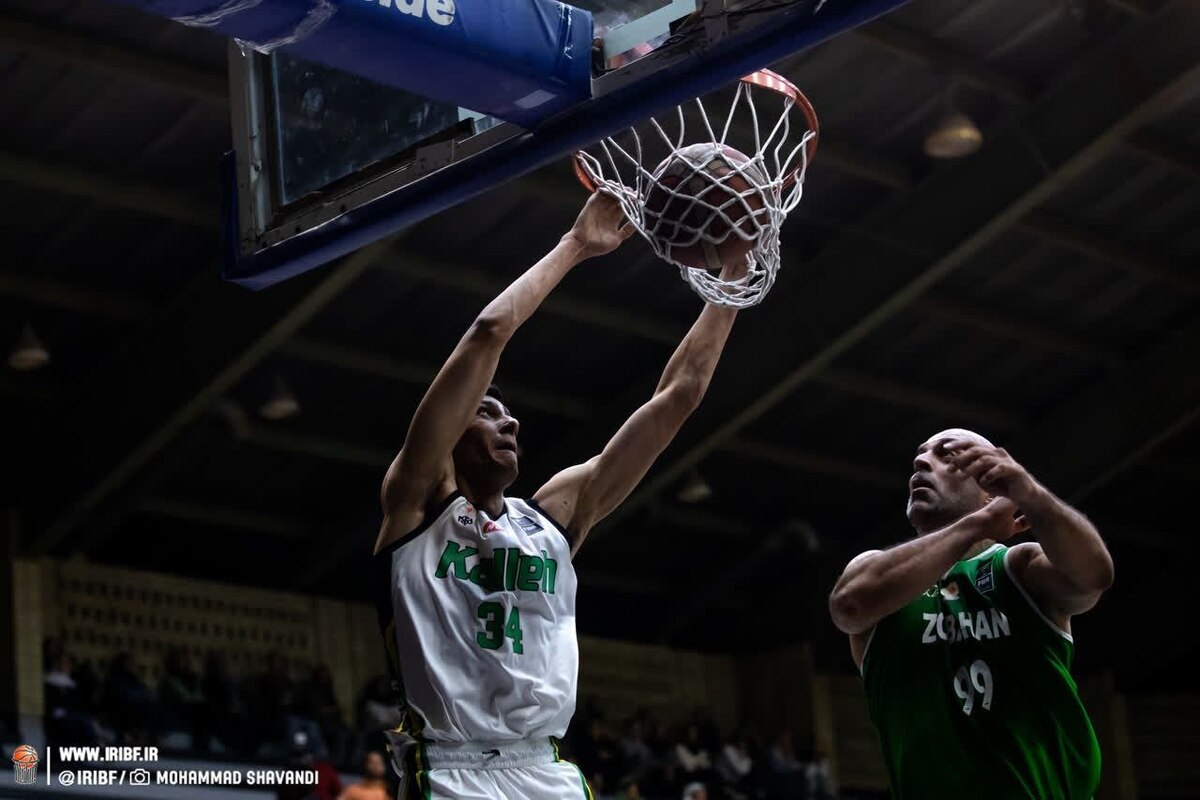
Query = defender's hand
x=996 y=472
x=601 y=226
x=999 y=520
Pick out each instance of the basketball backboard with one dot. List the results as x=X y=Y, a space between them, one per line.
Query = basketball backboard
x=328 y=160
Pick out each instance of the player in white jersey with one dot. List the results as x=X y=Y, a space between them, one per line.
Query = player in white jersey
x=476 y=591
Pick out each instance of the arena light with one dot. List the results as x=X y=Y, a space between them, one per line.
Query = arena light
x=956 y=135
x=281 y=405
x=694 y=490
x=29 y=352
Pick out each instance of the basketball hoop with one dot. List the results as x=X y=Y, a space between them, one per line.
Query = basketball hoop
x=772 y=176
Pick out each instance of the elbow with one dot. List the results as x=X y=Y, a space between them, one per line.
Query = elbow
x=491 y=327
x=687 y=392
x=848 y=608
x=1103 y=574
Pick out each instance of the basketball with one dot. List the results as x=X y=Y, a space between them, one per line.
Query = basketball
x=25 y=755
x=701 y=207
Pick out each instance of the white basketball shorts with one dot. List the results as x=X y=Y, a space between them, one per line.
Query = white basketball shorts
x=523 y=770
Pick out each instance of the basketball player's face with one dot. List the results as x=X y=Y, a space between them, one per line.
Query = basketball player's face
x=938 y=492
x=490 y=441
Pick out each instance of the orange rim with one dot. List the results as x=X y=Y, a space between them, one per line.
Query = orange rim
x=767 y=79
x=582 y=174
x=777 y=83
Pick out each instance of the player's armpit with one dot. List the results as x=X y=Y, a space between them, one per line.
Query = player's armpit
x=559 y=497
x=1055 y=594
x=583 y=495
x=405 y=503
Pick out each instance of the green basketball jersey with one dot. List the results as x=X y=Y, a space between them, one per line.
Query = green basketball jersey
x=970 y=689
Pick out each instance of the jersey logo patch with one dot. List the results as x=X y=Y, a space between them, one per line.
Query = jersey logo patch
x=983 y=578
x=463 y=519
x=490 y=527
x=528 y=525
x=950 y=591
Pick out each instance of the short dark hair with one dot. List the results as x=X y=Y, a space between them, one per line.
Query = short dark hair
x=494 y=391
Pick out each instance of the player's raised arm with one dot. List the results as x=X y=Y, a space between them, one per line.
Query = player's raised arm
x=1069 y=567
x=583 y=495
x=880 y=582
x=423 y=468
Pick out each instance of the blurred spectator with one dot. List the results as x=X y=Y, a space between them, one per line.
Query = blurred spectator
x=299 y=720
x=68 y=720
x=818 y=776
x=787 y=772
x=318 y=701
x=374 y=785
x=223 y=707
x=693 y=757
x=279 y=713
x=631 y=791
x=182 y=700
x=378 y=711
x=302 y=756
x=736 y=765
x=659 y=741
x=638 y=756
x=129 y=705
x=597 y=753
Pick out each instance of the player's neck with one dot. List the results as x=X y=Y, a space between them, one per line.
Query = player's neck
x=977 y=548
x=485 y=489
x=491 y=502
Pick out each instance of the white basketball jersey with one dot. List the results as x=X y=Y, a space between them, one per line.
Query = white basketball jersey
x=478 y=616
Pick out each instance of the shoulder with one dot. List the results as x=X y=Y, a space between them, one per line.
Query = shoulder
x=533 y=508
x=398 y=530
x=1018 y=557
x=863 y=556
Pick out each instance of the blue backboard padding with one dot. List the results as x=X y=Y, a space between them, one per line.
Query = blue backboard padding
x=724 y=63
x=521 y=61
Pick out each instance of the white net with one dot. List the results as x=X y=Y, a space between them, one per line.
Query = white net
x=714 y=205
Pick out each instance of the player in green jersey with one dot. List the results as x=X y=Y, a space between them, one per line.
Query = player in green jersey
x=965 y=644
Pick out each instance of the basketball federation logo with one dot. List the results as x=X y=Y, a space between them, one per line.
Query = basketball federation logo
x=25 y=764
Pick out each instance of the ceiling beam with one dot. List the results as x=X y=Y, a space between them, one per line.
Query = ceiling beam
x=1075 y=124
x=24 y=387
x=1187 y=469
x=175 y=205
x=108 y=189
x=123 y=60
x=1081 y=238
x=454 y=275
x=319 y=447
x=389 y=367
x=1174 y=154
x=1004 y=325
x=217 y=516
x=814 y=463
x=942 y=57
x=927 y=401
x=32 y=35
x=307 y=445
x=1136 y=8
x=1089 y=440
x=201 y=352
x=701 y=521
x=1122 y=421
x=57 y=294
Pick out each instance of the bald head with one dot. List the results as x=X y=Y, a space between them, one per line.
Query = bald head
x=956 y=433
x=939 y=493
